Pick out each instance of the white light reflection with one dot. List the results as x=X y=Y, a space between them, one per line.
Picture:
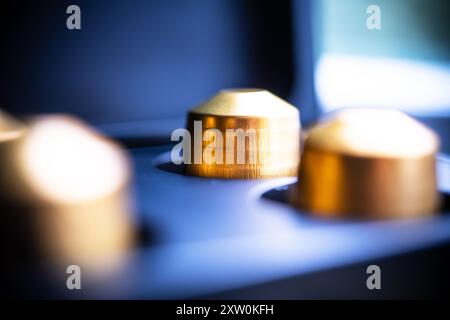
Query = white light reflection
x=69 y=163
x=416 y=87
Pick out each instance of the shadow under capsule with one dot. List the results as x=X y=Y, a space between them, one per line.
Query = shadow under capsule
x=283 y=194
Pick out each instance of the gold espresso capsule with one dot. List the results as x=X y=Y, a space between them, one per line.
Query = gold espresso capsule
x=244 y=134
x=10 y=128
x=365 y=162
x=63 y=194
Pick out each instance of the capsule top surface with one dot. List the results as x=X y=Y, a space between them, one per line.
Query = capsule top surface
x=371 y=132
x=66 y=162
x=258 y=103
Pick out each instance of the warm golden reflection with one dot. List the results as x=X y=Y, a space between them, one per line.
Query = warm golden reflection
x=65 y=192
x=10 y=128
x=245 y=134
x=368 y=163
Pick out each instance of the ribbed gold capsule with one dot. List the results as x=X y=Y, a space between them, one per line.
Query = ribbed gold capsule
x=371 y=163
x=244 y=134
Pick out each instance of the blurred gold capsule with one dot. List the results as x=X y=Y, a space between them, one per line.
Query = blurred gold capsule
x=63 y=192
x=366 y=162
x=10 y=128
x=244 y=134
